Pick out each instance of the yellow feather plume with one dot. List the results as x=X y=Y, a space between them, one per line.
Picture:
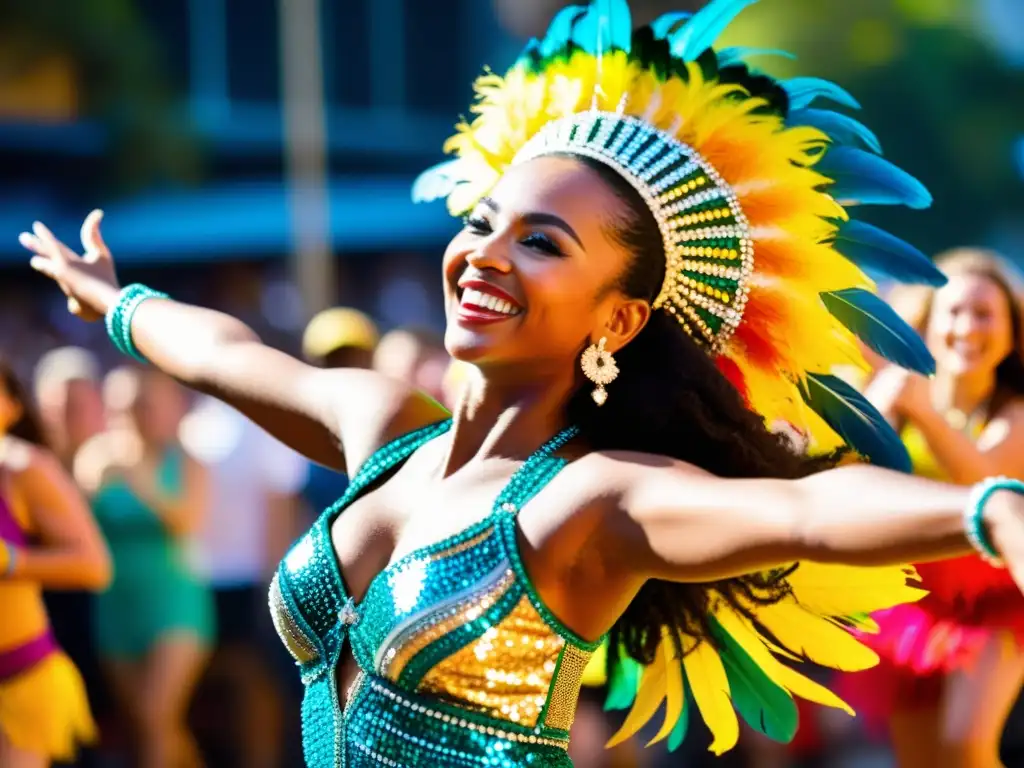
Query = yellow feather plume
x=710 y=687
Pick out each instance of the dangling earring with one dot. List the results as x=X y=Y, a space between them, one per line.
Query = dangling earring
x=599 y=366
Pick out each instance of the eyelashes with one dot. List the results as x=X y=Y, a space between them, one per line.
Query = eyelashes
x=537 y=241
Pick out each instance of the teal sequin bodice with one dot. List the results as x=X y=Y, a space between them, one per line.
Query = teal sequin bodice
x=461 y=664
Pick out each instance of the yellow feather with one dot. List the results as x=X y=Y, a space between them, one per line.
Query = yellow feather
x=844 y=590
x=815 y=638
x=710 y=688
x=785 y=677
x=649 y=696
x=674 y=698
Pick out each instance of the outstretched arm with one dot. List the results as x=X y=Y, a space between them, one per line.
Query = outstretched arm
x=335 y=417
x=686 y=525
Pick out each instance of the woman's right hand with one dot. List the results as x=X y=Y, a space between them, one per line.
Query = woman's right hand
x=89 y=281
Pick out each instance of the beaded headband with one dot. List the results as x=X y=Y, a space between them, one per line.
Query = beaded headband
x=709 y=255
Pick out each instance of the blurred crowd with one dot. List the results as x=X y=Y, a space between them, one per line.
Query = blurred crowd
x=225 y=687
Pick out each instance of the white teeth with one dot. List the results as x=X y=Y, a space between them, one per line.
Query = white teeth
x=487 y=301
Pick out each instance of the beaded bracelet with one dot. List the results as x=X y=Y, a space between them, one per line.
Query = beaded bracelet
x=974 y=523
x=119 y=317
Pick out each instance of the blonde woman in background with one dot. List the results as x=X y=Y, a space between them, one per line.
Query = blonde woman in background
x=954 y=661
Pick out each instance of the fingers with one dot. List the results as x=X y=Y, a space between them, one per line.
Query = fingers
x=92 y=240
x=44 y=266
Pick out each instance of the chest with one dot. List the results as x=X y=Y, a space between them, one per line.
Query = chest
x=409 y=511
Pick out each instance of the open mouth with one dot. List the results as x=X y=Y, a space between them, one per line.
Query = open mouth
x=484 y=302
x=480 y=302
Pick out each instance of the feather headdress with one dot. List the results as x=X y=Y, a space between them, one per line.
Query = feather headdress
x=751 y=182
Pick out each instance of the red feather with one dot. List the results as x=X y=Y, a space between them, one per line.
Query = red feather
x=732 y=372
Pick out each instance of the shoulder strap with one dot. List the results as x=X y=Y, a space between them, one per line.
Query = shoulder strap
x=384 y=459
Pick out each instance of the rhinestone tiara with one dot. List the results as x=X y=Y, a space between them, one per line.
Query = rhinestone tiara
x=709 y=253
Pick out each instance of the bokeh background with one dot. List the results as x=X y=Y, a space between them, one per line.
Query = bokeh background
x=256 y=156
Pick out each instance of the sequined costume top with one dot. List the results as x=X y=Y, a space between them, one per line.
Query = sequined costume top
x=461 y=664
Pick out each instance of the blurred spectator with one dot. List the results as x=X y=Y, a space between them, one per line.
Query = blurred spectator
x=254 y=482
x=68 y=396
x=154 y=626
x=340 y=337
x=67 y=393
x=416 y=356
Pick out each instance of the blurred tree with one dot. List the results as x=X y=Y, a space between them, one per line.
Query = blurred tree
x=121 y=81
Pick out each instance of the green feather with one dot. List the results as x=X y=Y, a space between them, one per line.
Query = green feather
x=623 y=680
x=675 y=739
x=764 y=705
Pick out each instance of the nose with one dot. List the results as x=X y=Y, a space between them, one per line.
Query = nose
x=966 y=324
x=490 y=254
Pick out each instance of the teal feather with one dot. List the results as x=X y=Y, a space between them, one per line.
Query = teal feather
x=739 y=54
x=876 y=324
x=662 y=26
x=701 y=31
x=803 y=91
x=436 y=182
x=854 y=419
x=841 y=128
x=862 y=178
x=606 y=26
x=881 y=254
x=623 y=681
x=765 y=706
x=560 y=30
x=678 y=734
x=530 y=53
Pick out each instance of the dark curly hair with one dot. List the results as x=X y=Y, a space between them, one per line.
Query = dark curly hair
x=671 y=399
x=28 y=427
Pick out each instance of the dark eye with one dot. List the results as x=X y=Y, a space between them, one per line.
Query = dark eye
x=477 y=225
x=542 y=242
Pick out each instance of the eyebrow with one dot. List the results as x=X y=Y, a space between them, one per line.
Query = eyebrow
x=539 y=219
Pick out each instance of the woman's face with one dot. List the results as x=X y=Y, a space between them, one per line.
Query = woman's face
x=970 y=328
x=158 y=408
x=531 y=276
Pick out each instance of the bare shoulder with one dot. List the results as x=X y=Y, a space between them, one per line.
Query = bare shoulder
x=627 y=471
x=372 y=409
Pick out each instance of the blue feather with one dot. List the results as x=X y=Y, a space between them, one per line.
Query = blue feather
x=606 y=26
x=854 y=419
x=863 y=178
x=701 y=31
x=841 y=128
x=739 y=55
x=881 y=254
x=437 y=181
x=530 y=51
x=802 y=91
x=675 y=739
x=664 y=24
x=560 y=30
x=876 y=324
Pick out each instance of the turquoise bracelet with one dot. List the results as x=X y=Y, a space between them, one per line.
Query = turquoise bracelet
x=119 y=317
x=974 y=523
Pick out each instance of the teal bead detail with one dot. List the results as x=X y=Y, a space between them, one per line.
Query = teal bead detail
x=974 y=515
x=118 y=320
x=417 y=613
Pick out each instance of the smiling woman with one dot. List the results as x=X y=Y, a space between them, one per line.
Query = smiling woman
x=638 y=203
